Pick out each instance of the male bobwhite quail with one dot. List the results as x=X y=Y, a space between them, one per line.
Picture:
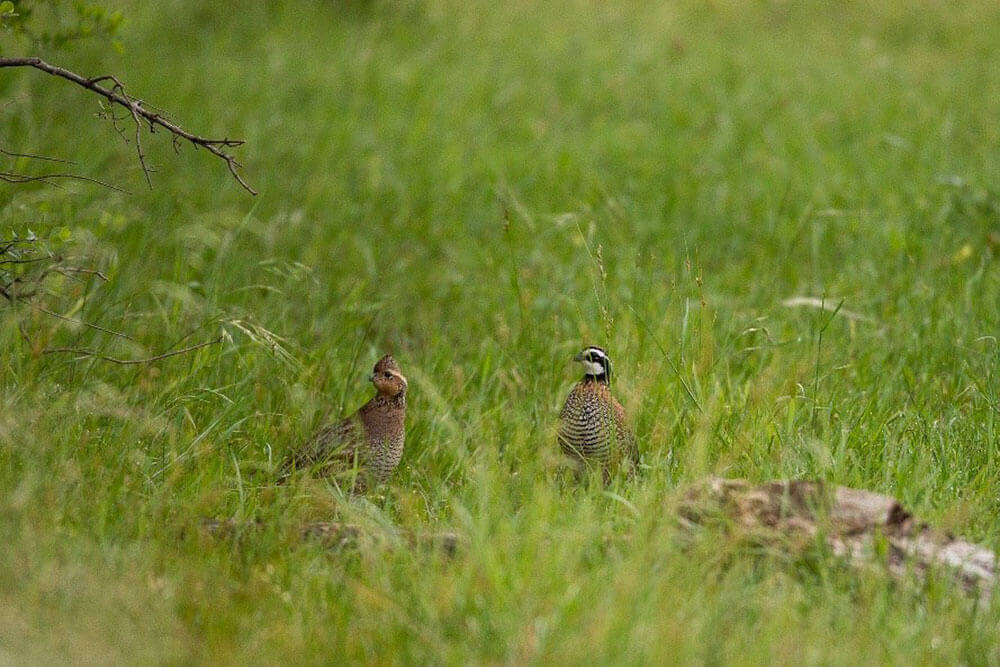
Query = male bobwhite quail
x=592 y=426
x=370 y=440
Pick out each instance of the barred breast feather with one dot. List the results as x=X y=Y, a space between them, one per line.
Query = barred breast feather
x=370 y=441
x=592 y=426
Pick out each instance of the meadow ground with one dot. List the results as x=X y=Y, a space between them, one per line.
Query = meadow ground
x=482 y=188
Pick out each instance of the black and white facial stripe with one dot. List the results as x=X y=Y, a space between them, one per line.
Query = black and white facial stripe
x=596 y=363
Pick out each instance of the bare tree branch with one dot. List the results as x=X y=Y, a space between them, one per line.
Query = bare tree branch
x=23 y=288
x=129 y=362
x=115 y=94
x=23 y=274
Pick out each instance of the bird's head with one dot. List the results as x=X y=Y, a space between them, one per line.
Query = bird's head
x=596 y=363
x=387 y=378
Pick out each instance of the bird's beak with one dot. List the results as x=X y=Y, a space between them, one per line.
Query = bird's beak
x=371 y=378
x=578 y=357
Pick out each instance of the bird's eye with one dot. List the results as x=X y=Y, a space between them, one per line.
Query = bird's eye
x=388 y=375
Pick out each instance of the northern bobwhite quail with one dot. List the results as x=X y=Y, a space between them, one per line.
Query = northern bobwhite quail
x=371 y=439
x=592 y=426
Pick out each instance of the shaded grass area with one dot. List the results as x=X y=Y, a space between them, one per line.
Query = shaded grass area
x=482 y=190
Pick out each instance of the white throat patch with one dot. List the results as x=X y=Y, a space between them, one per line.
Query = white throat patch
x=593 y=368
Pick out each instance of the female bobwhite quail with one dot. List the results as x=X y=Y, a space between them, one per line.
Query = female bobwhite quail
x=592 y=427
x=370 y=440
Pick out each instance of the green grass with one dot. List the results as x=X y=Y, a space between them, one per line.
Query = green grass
x=482 y=189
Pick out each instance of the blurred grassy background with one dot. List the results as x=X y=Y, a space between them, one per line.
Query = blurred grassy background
x=481 y=189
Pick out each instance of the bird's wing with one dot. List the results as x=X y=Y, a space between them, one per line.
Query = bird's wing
x=332 y=442
x=625 y=435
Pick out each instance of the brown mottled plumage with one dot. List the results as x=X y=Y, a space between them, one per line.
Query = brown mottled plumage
x=592 y=427
x=371 y=439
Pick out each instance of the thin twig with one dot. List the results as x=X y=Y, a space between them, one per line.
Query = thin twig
x=29 y=260
x=76 y=269
x=133 y=106
x=116 y=95
x=35 y=157
x=89 y=325
x=128 y=362
x=12 y=177
x=10 y=243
